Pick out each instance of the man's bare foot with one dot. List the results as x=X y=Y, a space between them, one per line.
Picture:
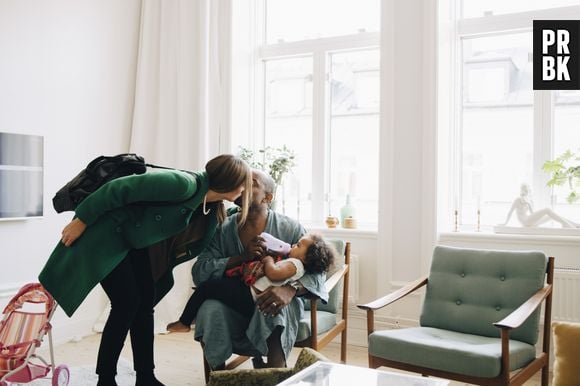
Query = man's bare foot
x=178 y=327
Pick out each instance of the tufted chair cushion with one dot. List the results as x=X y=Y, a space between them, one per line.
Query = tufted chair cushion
x=469 y=290
x=336 y=293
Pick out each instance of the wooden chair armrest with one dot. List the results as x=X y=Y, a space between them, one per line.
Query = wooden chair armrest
x=523 y=312
x=332 y=281
x=394 y=296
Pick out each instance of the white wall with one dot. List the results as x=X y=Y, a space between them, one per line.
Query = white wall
x=67 y=72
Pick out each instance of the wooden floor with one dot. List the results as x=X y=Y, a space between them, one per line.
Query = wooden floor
x=179 y=358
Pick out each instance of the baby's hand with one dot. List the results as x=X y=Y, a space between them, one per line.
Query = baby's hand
x=267 y=259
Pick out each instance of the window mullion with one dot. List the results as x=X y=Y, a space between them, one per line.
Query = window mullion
x=318 y=136
x=543 y=144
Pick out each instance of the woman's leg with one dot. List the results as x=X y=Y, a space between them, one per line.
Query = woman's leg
x=141 y=329
x=121 y=288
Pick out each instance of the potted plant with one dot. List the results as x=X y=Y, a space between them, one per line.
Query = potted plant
x=275 y=161
x=565 y=169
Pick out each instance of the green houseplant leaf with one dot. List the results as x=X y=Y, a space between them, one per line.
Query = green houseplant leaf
x=565 y=169
x=276 y=161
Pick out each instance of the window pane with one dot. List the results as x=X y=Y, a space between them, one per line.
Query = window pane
x=305 y=19
x=354 y=133
x=566 y=137
x=497 y=125
x=288 y=121
x=472 y=8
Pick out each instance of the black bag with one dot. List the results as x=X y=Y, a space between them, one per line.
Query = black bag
x=99 y=171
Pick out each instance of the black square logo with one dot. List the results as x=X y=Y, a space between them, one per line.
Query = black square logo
x=556 y=54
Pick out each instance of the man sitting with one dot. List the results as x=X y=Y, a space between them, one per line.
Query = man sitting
x=273 y=327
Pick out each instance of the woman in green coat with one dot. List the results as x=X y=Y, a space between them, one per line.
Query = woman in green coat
x=127 y=236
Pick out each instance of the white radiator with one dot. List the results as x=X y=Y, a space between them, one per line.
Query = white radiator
x=565 y=302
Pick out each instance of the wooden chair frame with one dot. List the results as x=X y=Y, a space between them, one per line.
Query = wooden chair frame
x=512 y=321
x=314 y=341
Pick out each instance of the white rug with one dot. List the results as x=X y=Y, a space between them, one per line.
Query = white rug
x=85 y=375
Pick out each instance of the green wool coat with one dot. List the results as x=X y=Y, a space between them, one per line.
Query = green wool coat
x=127 y=213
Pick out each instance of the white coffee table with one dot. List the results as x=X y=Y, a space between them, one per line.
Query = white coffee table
x=334 y=374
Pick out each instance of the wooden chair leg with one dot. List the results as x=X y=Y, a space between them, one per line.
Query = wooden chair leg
x=372 y=362
x=206 y=369
x=343 y=346
x=545 y=375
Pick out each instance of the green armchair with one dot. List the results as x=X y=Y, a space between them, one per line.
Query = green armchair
x=479 y=322
x=264 y=377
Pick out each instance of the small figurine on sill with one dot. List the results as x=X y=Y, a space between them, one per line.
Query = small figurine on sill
x=527 y=217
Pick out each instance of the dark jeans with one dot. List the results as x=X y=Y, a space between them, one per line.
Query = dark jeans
x=230 y=291
x=131 y=290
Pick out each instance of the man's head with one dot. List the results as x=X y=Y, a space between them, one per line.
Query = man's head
x=263 y=187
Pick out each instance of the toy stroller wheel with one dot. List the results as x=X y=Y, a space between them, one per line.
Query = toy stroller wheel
x=60 y=376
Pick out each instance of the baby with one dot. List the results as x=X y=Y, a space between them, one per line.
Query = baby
x=311 y=254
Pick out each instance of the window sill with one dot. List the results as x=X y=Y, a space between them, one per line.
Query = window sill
x=363 y=233
x=509 y=238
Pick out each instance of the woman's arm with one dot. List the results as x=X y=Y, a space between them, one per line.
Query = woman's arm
x=160 y=186
x=278 y=271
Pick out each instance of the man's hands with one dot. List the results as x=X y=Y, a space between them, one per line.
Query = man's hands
x=255 y=249
x=273 y=299
x=72 y=231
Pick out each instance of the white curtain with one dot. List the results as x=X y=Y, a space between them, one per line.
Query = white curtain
x=182 y=102
x=182 y=81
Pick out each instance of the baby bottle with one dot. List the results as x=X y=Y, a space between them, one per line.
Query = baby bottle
x=275 y=246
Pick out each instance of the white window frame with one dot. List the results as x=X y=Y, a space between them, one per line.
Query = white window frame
x=319 y=50
x=543 y=107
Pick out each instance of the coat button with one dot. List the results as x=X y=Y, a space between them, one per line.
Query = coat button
x=462 y=274
x=158 y=217
x=137 y=225
x=497 y=308
x=118 y=229
x=458 y=302
x=183 y=211
x=502 y=278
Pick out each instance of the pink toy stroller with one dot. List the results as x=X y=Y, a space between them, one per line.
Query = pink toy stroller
x=26 y=320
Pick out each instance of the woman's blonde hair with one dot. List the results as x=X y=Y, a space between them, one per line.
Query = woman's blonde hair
x=227 y=172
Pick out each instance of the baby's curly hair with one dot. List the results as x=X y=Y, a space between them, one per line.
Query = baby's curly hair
x=319 y=256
